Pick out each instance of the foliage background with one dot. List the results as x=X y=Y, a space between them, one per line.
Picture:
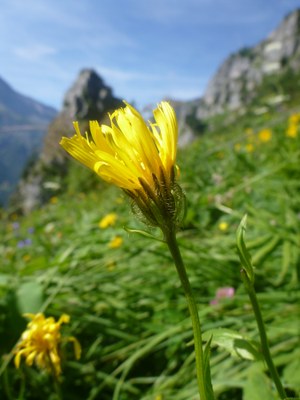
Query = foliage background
x=126 y=305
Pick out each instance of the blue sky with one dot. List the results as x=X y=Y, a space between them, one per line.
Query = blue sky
x=145 y=50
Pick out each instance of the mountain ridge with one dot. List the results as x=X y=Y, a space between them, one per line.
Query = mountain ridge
x=23 y=124
x=17 y=108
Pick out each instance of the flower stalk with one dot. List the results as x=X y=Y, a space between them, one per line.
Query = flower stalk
x=247 y=274
x=170 y=238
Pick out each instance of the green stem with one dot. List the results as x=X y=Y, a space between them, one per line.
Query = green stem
x=263 y=335
x=171 y=241
x=56 y=383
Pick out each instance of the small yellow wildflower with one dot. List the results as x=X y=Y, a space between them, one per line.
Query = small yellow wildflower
x=53 y=200
x=292 y=131
x=265 y=135
x=26 y=258
x=158 y=397
x=108 y=220
x=40 y=343
x=294 y=119
x=223 y=226
x=249 y=148
x=249 y=131
x=115 y=242
x=237 y=147
x=111 y=266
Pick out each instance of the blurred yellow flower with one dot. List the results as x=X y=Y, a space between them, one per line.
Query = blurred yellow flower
x=119 y=200
x=292 y=131
x=108 y=220
x=53 y=200
x=26 y=258
x=265 y=135
x=40 y=343
x=158 y=397
x=249 y=131
x=115 y=242
x=129 y=151
x=249 y=147
x=294 y=119
x=223 y=226
x=111 y=266
x=237 y=147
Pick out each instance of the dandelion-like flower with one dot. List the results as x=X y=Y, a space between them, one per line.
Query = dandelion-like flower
x=223 y=226
x=108 y=220
x=40 y=343
x=139 y=158
x=292 y=131
x=265 y=135
x=116 y=242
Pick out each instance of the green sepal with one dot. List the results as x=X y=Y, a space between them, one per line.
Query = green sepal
x=143 y=233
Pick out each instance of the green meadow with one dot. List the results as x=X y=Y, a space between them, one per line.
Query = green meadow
x=121 y=288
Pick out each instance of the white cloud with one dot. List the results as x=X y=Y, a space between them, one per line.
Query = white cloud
x=34 y=52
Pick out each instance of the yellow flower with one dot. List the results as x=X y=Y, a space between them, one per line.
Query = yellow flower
x=115 y=242
x=292 y=131
x=128 y=150
x=53 y=200
x=40 y=343
x=249 y=148
x=237 y=147
x=26 y=257
x=249 y=131
x=265 y=135
x=108 y=220
x=139 y=158
x=294 y=119
x=223 y=226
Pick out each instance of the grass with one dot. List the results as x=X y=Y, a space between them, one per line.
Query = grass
x=126 y=305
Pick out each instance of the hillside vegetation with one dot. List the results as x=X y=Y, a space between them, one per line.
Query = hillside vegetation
x=121 y=290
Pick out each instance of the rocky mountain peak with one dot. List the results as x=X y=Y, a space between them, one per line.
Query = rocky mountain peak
x=236 y=79
x=89 y=97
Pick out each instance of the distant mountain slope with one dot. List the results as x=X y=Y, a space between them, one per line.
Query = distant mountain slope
x=238 y=77
x=16 y=108
x=23 y=125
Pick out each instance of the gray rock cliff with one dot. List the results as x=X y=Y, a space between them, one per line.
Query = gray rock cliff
x=235 y=82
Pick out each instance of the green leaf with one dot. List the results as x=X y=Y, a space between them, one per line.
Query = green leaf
x=236 y=344
x=29 y=297
x=242 y=250
x=4 y=279
x=258 y=386
x=207 y=374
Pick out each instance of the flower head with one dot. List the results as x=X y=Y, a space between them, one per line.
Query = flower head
x=108 y=220
x=249 y=148
x=137 y=157
x=40 y=343
x=265 y=135
x=223 y=226
x=115 y=242
x=292 y=131
x=128 y=150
